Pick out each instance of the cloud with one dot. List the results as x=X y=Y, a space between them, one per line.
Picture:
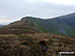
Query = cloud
x=16 y=9
x=6 y=21
x=2 y=17
x=65 y=2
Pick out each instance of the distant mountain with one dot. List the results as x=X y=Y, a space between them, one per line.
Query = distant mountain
x=64 y=25
x=1 y=25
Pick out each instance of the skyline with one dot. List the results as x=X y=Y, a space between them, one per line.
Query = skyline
x=16 y=9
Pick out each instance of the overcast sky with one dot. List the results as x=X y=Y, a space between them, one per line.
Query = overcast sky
x=12 y=10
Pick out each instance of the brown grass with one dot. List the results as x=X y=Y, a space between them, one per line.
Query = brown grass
x=27 y=44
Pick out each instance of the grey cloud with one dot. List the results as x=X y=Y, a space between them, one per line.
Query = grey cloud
x=15 y=9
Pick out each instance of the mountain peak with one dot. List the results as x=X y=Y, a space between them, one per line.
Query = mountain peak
x=64 y=25
x=29 y=17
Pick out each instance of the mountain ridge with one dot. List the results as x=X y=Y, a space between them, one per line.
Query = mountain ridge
x=63 y=25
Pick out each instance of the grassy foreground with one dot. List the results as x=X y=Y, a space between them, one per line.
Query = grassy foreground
x=27 y=44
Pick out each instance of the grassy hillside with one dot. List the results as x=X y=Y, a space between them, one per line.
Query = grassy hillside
x=64 y=25
x=56 y=26
x=21 y=38
x=28 y=44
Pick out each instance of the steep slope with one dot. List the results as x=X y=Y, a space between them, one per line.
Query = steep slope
x=22 y=24
x=25 y=25
x=64 y=25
